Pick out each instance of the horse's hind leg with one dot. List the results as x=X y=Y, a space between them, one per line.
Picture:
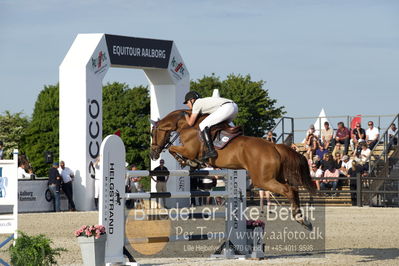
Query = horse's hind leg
x=291 y=193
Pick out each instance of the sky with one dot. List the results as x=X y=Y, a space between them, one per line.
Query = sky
x=342 y=55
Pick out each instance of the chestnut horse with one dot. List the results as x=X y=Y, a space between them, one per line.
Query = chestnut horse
x=276 y=168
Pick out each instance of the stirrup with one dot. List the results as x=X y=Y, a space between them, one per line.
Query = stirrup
x=209 y=154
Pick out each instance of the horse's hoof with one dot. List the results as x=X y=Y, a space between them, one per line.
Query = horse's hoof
x=308 y=225
x=182 y=163
x=192 y=164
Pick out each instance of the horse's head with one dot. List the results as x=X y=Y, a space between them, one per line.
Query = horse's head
x=161 y=131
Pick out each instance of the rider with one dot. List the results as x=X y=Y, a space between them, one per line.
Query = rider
x=219 y=110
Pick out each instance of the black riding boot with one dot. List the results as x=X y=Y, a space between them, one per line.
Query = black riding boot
x=210 y=151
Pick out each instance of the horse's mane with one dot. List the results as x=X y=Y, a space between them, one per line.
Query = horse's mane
x=178 y=114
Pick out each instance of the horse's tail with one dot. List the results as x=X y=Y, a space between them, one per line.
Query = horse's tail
x=295 y=168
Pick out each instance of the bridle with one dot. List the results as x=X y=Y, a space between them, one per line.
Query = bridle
x=168 y=142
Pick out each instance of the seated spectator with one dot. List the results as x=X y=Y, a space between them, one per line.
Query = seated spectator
x=331 y=178
x=365 y=156
x=392 y=134
x=311 y=131
x=312 y=144
x=337 y=160
x=372 y=135
x=346 y=164
x=358 y=136
x=325 y=161
x=317 y=161
x=326 y=135
x=321 y=151
x=341 y=136
x=22 y=174
x=270 y=137
x=294 y=147
x=316 y=172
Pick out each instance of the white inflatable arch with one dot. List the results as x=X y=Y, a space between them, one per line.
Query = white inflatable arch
x=81 y=74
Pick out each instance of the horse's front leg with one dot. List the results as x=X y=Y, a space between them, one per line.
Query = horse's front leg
x=182 y=161
x=183 y=152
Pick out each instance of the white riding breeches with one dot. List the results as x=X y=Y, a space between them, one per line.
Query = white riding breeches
x=226 y=112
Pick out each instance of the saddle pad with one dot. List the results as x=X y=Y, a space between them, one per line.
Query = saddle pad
x=223 y=138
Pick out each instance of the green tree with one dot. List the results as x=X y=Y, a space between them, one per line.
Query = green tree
x=257 y=111
x=42 y=132
x=128 y=109
x=12 y=130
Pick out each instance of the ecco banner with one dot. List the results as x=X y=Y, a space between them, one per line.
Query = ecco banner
x=138 y=52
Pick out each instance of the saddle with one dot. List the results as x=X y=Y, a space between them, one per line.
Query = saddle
x=222 y=134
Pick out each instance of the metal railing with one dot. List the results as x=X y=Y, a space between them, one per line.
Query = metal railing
x=361 y=188
x=285 y=130
x=387 y=144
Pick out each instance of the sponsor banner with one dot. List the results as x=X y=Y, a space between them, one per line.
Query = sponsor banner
x=138 y=52
x=99 y=62
x=8 y=183
x=34 y=196
x=177 y=68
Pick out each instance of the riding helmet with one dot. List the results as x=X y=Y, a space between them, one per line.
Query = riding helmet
x=191 y=95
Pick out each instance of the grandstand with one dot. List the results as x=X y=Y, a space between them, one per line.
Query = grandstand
x=379 y=188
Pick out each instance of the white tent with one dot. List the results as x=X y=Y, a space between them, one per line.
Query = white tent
x=319 y=124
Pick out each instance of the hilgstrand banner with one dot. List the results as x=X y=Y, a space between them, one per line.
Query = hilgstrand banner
x=138 y=52
x=112 y=181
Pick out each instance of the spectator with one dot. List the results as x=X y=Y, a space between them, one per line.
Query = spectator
x=96 y=182
x=317 y=160
x=1 y=150
x=326 y=135
x=161 y=180
x=54 y=185
x=312 y=144
x=311 y=131
x=353 y=171
x=270 y=137
x=220 y=186
x=294 y=147
x=372 y=135
x=365 y=156
x=326 y=159
x=67 y=178
x=337 y=160
x=321 y=151
x=346 y=164
x=316 y=172
x=392 y=131
x=342 y=137
x=22 y=174
x=134 y=186
x=358 y=136
x=330 y=178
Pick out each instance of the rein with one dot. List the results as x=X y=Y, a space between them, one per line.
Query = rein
x=169 y=142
